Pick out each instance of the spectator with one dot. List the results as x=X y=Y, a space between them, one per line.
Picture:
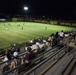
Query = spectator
x=66 y=39
x=18 y=50
x=12 y=51
x=40 y=40
x=61 y=34
x=71 y=45
x=8 y=55
x=44 y=44
x=56 y=38
x=61 y=44
x=29 y=56
x=56 y=35
x=5 y=59
x=50 y=40
x=16 y=62
x=31 y=42
x=2 y=52
x=5 y=66
x=15 y=54
x=37 y=49
x=54 y=41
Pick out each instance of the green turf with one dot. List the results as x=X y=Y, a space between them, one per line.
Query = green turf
x=15 y=34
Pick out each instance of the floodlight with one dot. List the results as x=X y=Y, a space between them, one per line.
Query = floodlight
x=25 y=8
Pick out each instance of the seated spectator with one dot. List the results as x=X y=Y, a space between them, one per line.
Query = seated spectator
x=71 y=45
x=26 y=44
x=54 y=41
x=66 y=34
x=37 y=49
x=18 y=50
x=52 y=34
x=12 y=51
x=5 y=66
x=44 y=40
x=2 y=52
x=61 y=44
x=56 y=35
x=61 y=34
x=29 y=56
x=40 y=40
x=8 y=55
x=31 y=42
x=5 y=59
x=34 y=41
x=15 y=54
x=44 y=44
x=16 y=62
x=66 y=40
x=50 y=40
x=37 y=43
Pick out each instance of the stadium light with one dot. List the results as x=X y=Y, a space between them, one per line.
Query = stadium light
x=25 y=8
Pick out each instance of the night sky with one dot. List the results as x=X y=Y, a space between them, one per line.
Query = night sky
x=54 y=8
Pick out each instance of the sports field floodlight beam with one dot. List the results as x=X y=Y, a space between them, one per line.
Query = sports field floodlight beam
x=25 y=8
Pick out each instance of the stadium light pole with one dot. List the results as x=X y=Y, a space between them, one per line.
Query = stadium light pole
x=26 y=9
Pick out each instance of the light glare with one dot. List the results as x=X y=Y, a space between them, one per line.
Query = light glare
x=25 y=8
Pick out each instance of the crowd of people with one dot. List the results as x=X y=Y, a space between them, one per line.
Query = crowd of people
x=60 y=39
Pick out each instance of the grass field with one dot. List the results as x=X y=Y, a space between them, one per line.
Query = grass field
x=12 y=32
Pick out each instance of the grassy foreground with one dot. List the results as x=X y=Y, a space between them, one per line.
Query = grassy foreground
x=19 y=32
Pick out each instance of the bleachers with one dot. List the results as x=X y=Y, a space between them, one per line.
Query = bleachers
x=39 y=59
x=22 y=55
x=70 y=67
x=44 y=61
x=61 y=65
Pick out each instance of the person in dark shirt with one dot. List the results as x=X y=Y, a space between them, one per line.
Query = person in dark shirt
x=8 y=55
x=2 y=52
x=29 y=55
x=61 y=44
x=56 y=35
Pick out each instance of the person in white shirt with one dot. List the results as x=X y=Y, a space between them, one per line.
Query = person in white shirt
x=61 y=34
x=5 y=59
x=15 y=54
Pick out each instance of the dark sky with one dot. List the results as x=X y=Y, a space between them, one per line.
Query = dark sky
x=65 y=9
